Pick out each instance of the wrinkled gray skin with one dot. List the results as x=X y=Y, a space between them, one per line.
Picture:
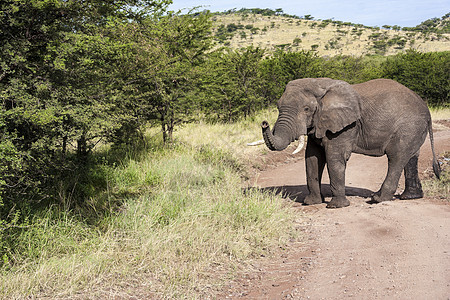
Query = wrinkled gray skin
x=375 y=118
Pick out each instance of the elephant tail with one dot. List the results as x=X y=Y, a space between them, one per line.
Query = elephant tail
x=436 y=166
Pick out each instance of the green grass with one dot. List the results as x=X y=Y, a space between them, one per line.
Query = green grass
x=178 y=224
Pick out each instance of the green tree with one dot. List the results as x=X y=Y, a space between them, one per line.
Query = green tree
x=56 y=88
x=232 y=83
x=283 y=66
x=170 y=51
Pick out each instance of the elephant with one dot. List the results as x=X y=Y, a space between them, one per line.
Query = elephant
x=375 y=118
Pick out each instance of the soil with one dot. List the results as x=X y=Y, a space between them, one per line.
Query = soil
x=392 y=250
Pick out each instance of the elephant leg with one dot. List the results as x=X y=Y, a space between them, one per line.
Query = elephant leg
x=315 y=163
x=336 y=170
x=390 y=184
x=413 y=187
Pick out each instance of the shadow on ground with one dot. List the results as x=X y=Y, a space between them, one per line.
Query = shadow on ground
x=298 y=193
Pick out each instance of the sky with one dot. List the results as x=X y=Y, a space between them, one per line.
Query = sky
x=405 y=13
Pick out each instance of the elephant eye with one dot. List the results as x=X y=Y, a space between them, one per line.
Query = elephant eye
x=306 y=109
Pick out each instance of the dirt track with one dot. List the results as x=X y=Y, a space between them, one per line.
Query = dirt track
x=392 y=250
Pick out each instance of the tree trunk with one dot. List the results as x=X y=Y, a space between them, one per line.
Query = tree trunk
x=164 y=130
x=64 y=145
x=82 y=146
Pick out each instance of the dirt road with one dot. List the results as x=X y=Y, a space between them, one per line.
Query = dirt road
x=392 y=250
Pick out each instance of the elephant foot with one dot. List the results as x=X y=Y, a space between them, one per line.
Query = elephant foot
x=411 y=194
x=311 y=200
x=377 y=197
x=338 y=202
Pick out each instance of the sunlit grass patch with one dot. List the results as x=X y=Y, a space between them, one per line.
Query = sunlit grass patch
x=231 y=138
x=440 y=113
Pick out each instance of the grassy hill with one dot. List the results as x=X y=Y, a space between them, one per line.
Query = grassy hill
x=327 y=37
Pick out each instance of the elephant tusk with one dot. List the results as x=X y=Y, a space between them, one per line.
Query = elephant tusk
x=256 y=143
x=301 y=143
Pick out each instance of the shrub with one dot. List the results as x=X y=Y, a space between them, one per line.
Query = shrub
x=425 y=73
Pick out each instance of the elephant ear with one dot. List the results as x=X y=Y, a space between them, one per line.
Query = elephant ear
x=339 y=107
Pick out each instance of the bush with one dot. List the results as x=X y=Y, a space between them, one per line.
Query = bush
x=283 y=66
x=351 y=69
x=425 y=73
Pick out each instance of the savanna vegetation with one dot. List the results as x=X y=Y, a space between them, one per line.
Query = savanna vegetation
x=274 y=29
x=122 y=128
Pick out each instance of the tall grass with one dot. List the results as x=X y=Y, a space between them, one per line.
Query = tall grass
x=231 y=137
x=180 y=224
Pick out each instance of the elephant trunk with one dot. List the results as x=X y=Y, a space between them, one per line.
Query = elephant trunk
x=273 y=141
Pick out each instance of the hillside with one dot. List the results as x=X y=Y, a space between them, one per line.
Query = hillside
x=327 y=37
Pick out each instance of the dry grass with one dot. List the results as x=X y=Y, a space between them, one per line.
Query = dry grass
x=441 y=113
x=232 y=138
x=346 y=39
x=439 y=188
